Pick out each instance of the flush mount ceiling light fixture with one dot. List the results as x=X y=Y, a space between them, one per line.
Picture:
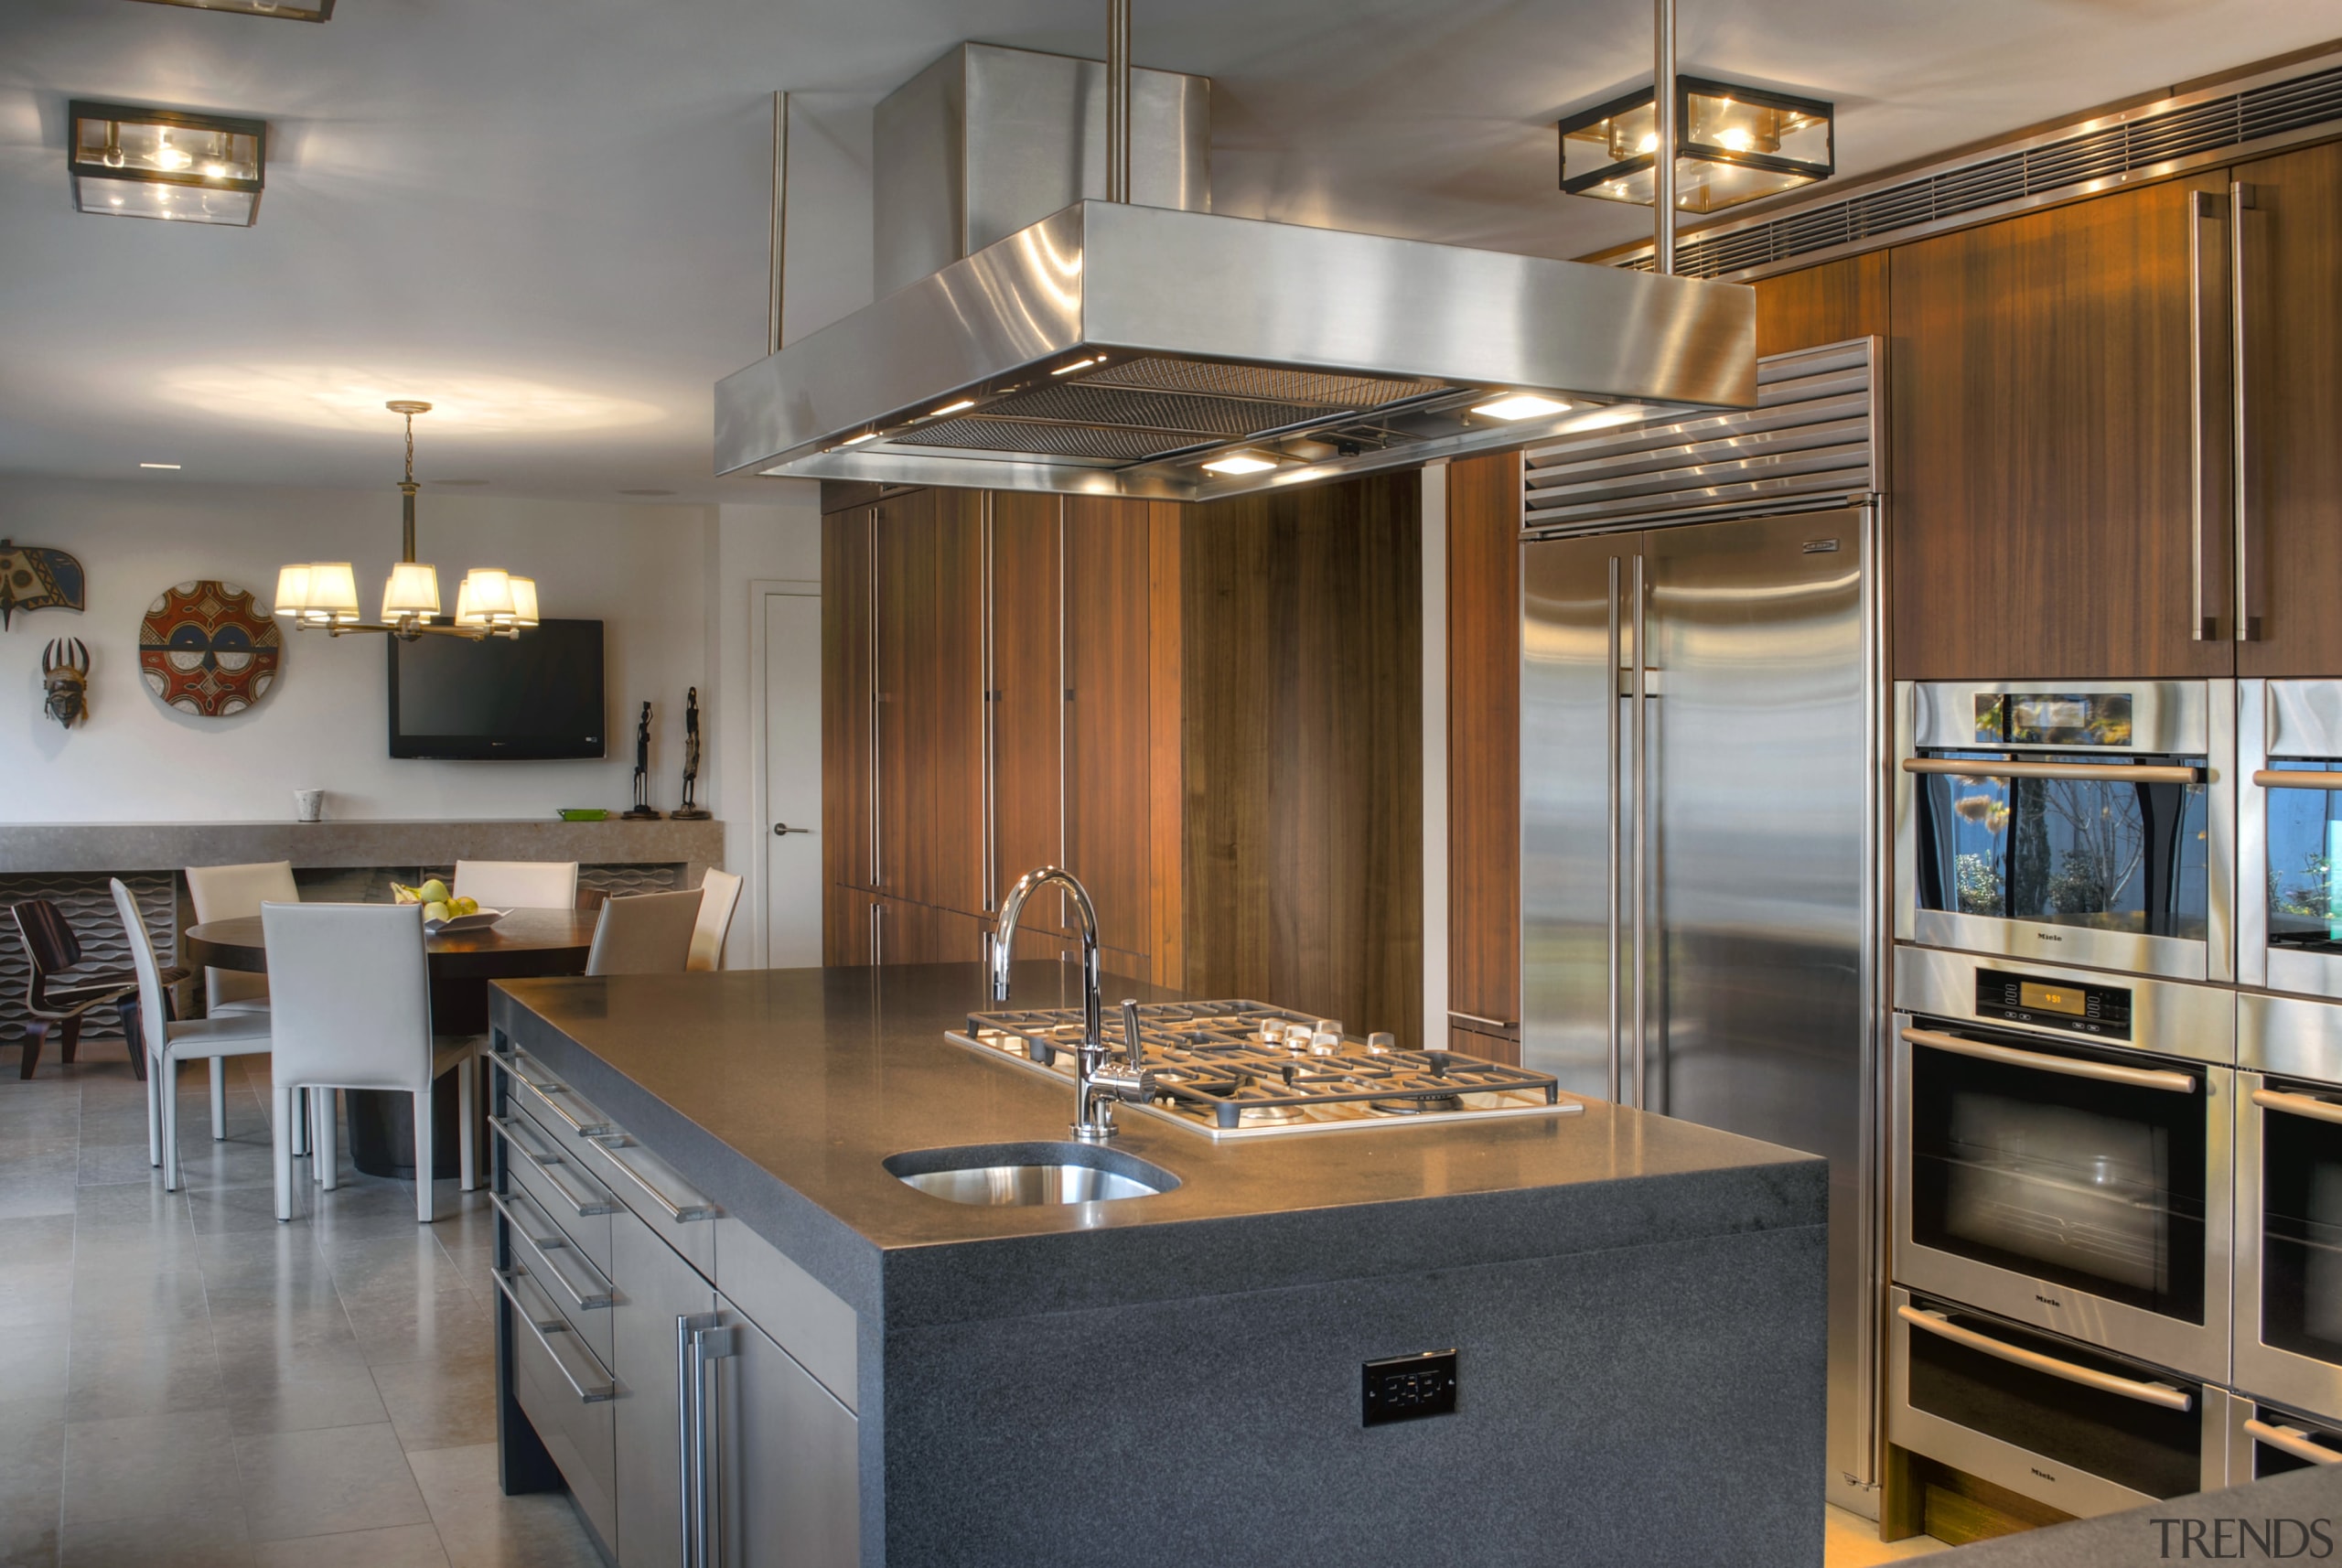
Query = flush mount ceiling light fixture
x=312 y=11
x=1733 y=145
x=322 y=595
x=128 y=161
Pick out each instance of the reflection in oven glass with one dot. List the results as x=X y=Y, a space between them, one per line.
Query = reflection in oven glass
x=2301 y=1217
x=2304 y=835
x=2110 y=856
x=2061 y=1185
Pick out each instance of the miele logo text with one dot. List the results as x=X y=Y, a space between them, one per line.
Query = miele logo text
x=2049 y=936
x=2262 y=1539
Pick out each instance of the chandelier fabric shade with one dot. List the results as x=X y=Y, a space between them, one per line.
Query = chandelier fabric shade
x=323 y=595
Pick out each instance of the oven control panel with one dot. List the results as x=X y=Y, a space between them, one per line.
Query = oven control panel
x=2085 y=1009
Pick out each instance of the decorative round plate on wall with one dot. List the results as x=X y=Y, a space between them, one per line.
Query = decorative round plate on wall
x=207 y=648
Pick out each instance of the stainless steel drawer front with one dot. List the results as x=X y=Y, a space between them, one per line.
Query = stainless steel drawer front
x=551 y=1256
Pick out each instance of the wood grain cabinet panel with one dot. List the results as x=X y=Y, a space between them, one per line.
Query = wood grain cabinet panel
x=2041 y=379
x=1029 y=694
x=1483 y=738
x=952 y=770
x=1107 y=728
x=847 y=697
x=2293 y=412
x=1828 y=304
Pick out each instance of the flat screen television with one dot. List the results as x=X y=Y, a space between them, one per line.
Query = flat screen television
x=529 y=699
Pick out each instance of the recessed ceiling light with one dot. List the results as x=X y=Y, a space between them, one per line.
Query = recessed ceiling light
x=952 y=408
x=646 y=492
x=158 y=465
x=1521 y=405
x=1240 y=463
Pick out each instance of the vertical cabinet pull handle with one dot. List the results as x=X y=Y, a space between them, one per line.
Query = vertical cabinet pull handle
x=1639 y=743
x=876 y=879
x=2248 y=268
x=701 y=1340
x=991 y=739
x=2210 y=425
x=1610 y=712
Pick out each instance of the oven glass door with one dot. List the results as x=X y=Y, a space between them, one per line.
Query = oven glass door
x=2303 y=840
x=2071 y=1166
x=2301 y=1220
x=2087 y=852
x=2135 y=1425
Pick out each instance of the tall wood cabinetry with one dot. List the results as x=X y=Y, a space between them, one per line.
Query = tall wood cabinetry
x=1484 y=756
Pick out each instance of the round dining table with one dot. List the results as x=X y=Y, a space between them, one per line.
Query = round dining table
x=524 y=944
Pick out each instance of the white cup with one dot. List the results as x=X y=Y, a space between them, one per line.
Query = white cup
x=308 y=805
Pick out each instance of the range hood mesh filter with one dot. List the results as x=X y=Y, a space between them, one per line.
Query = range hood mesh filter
x=1319 y=389
x=978 y=433
x=1193 y=418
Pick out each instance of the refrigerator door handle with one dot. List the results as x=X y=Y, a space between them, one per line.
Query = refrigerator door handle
x=1639 y=741
x=1610 y=709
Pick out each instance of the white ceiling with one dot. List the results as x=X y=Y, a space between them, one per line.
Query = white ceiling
x=549 y=216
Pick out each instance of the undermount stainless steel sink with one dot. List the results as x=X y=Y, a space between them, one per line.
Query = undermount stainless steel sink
x=1022 y=1174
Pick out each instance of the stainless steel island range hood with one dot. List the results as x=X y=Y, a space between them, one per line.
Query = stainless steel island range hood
x=1175 y=354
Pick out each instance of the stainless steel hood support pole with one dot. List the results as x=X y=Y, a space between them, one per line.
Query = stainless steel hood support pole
x=1118 y=101
x=780 y=222
x=1662 y=103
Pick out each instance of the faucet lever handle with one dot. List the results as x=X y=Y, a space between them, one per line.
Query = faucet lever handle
x=1134 y=1046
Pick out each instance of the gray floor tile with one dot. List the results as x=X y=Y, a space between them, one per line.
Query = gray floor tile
x=32 y=1366
x=111 y=1301
x=448 y=1323
x=115 y=1374
x=202 y=1540
x=107 y=1164
x=129 y=1210
x=341 y=1478
x=310 y=1336
x=28 y=1533
x=447 y=1402
x=36 y=1294
x=273 y=1393
x=137 y=1466
x=32 y=1451
x=45 y=1239
x=481 y=1527
x=400 y=1546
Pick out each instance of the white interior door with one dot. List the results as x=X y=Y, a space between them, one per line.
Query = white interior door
x=793 y=780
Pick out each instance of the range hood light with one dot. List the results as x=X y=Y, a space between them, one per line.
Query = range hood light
x=1077 y=365
x=965 y=402
x=858 y=440
x=1523 y=405
x=1240 y=463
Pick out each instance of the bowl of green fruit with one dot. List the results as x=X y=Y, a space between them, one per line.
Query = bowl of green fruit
x=442 y=911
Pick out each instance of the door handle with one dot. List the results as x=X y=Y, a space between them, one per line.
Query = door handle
x=1640 y=745
x=1610 y=713
x=2248 y=268
x=2071 y=1066
x=700 y=1340
x=2211 y=484
x=2291 y=1441
x=1937 y=1323
x=781 y=830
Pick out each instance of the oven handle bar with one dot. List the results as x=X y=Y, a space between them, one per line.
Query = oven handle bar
x=2163 y=1394
x=2278 y=779
x=2296 y=1444
x=2088 y=772
x=2072 y=1067
x=2298 y=1105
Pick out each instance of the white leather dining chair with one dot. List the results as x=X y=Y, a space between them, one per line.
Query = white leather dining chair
x=169 y=1042
x=352 y=1008
x=232 y=893
x=649 y=933
x=517 y=884
x=719 y=896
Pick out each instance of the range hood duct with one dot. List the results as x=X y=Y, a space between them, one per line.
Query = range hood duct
x=1117 y=349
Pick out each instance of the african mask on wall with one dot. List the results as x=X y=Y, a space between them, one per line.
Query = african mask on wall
x=205 y=647
x=65 y=677
x=36 y=578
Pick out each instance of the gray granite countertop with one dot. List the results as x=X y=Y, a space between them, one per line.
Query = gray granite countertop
x=55 y=847
x=779 y=1093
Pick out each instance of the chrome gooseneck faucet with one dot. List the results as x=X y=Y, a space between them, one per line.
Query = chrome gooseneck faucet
x=1096 y=1085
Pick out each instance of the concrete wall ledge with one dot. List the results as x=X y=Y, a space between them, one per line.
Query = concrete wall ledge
x=35 y=848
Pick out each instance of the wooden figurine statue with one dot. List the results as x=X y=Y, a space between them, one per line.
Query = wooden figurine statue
x=641 y=811
x=691 y=810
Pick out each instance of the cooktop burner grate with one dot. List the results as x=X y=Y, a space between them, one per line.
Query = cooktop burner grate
x=1215 y=1072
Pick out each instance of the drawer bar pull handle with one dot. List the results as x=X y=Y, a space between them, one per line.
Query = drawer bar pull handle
x=553 y=1167
x=2162 y=1395
x=695 y=1207
x=2088 y=772
x=2072 y=1067
x=2297 y=1105
x=594 y=1298
x=594 y=1393
x=2280 y=779
x=2292 y=1440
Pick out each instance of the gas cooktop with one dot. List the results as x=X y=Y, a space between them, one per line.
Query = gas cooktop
x=1218 y=1073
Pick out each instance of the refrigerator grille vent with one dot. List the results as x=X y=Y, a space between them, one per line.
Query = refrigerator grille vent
x=1810 y=434
x=2157 y=140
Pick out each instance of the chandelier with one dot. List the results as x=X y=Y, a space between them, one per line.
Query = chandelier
x=323 y=595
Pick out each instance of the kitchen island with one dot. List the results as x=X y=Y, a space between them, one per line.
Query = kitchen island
x=739 y=1338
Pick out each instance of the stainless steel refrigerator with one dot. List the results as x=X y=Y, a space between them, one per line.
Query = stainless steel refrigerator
x=1702 y=746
